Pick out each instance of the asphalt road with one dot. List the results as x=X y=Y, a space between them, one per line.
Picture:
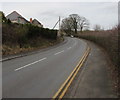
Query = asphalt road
x=40 y=75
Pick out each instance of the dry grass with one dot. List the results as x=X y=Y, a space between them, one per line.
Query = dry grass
x=39 y=43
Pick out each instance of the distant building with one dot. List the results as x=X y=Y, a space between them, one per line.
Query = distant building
x=16 y=18
x=36 y=22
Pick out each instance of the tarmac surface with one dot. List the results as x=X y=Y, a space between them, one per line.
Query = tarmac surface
x=41 y=74
x=93 y=80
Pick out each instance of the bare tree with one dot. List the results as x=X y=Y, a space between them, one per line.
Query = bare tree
x=66 y=25
x=75 y=18
x=83 y=23
x=74 y=22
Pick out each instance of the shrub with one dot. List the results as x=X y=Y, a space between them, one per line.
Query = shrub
x=19 y=34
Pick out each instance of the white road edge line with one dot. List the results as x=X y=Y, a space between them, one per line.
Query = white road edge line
x=69 y=48
x=59 y=52
x=30 y=64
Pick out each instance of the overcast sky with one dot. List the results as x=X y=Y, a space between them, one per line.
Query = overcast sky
x=102 y=13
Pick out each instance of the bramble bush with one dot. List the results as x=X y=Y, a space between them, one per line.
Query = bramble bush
x=19 y=34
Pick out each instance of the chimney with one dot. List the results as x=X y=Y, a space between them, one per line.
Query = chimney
x=30 y=20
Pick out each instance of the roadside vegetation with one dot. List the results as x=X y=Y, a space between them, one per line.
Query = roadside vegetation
x=17 y=38
x=109 y=41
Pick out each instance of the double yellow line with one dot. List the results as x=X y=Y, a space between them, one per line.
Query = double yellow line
x=61 y=92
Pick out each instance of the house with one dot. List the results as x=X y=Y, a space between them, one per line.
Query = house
x=36 y=22
x=16 y=18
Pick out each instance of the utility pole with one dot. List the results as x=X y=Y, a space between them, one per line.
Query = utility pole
x=57 y=23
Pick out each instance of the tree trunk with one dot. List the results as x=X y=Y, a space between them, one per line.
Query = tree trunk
x=81 y=29
x=75 y=31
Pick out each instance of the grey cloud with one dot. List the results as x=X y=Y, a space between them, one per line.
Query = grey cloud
x=104 y=13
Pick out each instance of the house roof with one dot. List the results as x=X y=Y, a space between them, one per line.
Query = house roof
x=35 y=21
x=14 y=16
x=24 y=19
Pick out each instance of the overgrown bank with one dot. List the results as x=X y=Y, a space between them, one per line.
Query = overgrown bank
x=17 y=38
x=108 y=40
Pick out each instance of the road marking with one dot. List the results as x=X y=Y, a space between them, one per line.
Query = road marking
x=30 y=64
x=61 y=92
x=59 y=52
x=69 y=48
